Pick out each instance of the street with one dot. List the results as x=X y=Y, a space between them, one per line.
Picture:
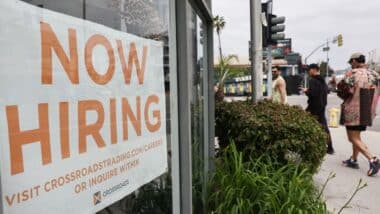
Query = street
x=333 y=101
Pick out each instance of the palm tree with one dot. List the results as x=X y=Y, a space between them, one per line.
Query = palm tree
x=219 y=24
x=223 y=72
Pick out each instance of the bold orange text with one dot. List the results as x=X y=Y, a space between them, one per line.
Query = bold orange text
x=116 y=117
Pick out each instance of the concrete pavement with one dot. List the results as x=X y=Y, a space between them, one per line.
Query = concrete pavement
x=340 y=188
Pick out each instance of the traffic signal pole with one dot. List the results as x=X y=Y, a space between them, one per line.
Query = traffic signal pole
x=269 y=75
x=338 y=39
x=274 y=33
x=256 y=50
x=306 y=58
x=269 y=54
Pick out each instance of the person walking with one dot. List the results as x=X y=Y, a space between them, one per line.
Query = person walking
x=317 y=101
x=278 y=86
x=358 y=109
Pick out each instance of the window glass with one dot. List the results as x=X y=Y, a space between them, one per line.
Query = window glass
x=198 y=114
x=144 y=18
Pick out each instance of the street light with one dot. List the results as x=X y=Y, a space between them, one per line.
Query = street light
x=338 y=39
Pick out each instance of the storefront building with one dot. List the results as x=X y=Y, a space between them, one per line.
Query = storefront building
x=108 y=106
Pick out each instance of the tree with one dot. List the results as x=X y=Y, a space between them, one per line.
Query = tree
x=219 y=25
x=223 y=72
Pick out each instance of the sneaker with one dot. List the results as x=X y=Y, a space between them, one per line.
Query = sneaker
x=351 y=163
x=373 y=167
x=376 y=161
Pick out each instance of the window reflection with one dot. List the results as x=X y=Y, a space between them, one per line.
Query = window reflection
x=146 y=18
x=197 y=112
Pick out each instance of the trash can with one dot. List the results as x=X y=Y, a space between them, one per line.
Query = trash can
x=334 y=117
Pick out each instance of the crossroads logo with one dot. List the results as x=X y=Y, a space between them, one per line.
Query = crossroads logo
x=97 y=198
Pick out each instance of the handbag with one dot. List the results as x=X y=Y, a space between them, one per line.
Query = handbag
x=366 y=100
x=343 y=90
x=342 y=120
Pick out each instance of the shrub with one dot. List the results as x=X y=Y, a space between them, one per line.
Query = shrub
x=258 y=186
x=280 y=131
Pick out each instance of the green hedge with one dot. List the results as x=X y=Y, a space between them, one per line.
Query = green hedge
x=261 y=186
x=285 y=133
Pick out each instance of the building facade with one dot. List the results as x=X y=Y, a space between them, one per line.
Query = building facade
x=185 y=30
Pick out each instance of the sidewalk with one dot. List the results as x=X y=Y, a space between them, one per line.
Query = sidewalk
x=340 y=188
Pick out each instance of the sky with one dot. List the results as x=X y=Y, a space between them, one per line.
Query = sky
x=309 y=23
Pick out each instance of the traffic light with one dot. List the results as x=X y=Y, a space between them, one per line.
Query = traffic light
x=275 y=28
x=265 y=10
x=272 y=25
x=340 y=40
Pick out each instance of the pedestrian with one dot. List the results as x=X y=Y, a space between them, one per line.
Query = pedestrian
x=278 y=86
x=358 y=109
x=317 y=101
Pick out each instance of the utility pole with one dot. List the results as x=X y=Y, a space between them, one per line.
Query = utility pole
x=307 y=57
x=269 y=49
x=256 y=50
x=305 y=77
x=84 y=9
x=327 y=49
x=338 y=39
x=269 y=75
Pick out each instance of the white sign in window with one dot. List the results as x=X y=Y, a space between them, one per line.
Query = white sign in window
x=82 y=110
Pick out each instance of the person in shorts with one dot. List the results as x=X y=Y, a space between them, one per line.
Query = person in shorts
x=358 y=111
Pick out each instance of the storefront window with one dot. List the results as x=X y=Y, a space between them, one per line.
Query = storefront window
x=144 y=18
x=82 y=64
x=198 y=112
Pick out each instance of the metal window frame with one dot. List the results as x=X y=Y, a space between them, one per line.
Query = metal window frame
x=176 y=199
x=180 y=100
x=184 y=118
x=202 y=8
x=209 y=146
